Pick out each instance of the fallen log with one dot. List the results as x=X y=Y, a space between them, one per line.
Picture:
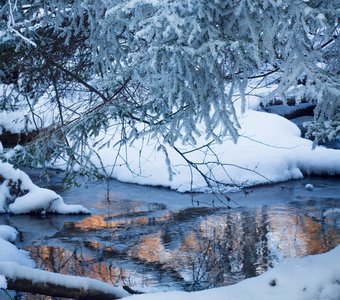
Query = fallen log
x=25 y=279
x=10 y=140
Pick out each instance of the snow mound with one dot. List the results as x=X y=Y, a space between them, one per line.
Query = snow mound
x=8 y=233
x=309 y=187
x=19 y=195
x=10 y=252
x=310 y=278
x=270 y=149
x=3 y=283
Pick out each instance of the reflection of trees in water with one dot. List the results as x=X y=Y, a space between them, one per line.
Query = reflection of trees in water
x=196 y=251
x=225 y=249
x=297 y=234
x=216 y=251
x=57 y=259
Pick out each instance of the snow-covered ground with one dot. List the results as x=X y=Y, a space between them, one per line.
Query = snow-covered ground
x=18 y=194
x=9 y=252
x=310 y=278
x=3 y=283
x=270 y=149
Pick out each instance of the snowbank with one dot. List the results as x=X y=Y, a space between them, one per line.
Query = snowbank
x=3 y=283
x=9 y=252
x=19 y=195
x=8 y=233
x=311 y=278
x=270 y=149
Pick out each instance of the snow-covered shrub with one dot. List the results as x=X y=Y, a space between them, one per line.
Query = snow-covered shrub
x=166 y=69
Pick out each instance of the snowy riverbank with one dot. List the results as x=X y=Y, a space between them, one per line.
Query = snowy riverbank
x=270 y=149
x=310 y=278
x=313 y=277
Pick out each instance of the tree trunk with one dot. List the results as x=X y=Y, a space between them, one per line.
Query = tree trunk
x=10 y=140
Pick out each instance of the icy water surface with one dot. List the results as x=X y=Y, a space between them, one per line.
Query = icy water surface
x=156 y=239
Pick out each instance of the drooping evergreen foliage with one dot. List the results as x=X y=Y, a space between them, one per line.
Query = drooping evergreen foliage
x=167 y=68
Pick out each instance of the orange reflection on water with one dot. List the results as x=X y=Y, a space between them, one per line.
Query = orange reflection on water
x=190 y=244
x=150 y=248
x=218 y=249
x=59 y=260
x=301 y=235
x=96 y=222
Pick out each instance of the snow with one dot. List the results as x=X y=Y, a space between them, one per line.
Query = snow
x=13 y=121
x=270 y=149
x=8 y=233
x=309 y=187
x=44 y=200
x=29 y=197
x=14 y=270
x=18 y=194
x=15 y=263
x=8 y=251
x=3 y=283
x=311 y=278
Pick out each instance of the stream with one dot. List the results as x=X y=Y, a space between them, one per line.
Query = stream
x=156 y=239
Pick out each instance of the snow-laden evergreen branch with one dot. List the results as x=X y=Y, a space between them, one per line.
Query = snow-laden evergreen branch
x=166 y=69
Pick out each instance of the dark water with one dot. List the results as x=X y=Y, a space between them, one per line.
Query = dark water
x=155 y=239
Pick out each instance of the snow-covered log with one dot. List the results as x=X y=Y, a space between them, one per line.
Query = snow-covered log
x=25 y=279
